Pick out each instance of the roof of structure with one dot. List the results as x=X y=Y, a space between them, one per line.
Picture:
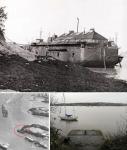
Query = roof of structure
x=72 y=37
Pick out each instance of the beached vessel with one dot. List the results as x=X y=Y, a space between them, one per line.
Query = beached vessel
x=90 y=49
x=86 y=139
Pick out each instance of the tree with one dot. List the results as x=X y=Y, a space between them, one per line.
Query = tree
x=3 y=17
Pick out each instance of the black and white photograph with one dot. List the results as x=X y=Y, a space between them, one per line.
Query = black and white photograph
x=63 y=45
x=85 y=121
x=24 y=121
x=63 y=75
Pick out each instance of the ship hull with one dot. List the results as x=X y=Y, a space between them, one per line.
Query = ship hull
x=101 y=64
x=64 y=118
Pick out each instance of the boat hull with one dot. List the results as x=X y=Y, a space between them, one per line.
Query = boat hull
x=100 y=63
x=69 y=118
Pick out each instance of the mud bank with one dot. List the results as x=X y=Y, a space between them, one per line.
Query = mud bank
x=21 y=75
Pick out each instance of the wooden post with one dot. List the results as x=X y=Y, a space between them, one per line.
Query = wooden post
x=104 y=59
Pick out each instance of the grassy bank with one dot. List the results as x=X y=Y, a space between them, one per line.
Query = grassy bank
x=18 y=74
x=115 y=143
x=58 y=142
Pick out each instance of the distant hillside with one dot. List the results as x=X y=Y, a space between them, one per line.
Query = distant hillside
x=91 y=104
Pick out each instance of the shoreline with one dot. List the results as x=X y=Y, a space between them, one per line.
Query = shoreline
x=21 y=75
x=90 y=104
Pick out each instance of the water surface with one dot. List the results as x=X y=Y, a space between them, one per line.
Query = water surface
x=108 y=119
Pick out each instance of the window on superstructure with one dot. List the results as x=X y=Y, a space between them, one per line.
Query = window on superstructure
x=73 y=54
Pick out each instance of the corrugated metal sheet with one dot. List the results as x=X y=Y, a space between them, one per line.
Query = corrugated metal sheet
x=72 y=38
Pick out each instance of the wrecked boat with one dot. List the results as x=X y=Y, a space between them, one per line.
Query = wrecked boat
x=87 y=48
x=86 y=139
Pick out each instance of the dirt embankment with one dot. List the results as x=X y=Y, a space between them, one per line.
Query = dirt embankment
x=18 y=74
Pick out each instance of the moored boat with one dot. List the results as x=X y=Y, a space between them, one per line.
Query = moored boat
x=68 y=117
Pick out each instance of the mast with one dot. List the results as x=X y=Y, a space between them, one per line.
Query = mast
x=40 y=33
x=64 y=105
x=77 y=24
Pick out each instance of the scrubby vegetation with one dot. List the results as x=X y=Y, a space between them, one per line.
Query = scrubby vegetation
x=3 y=17
x=115 y=143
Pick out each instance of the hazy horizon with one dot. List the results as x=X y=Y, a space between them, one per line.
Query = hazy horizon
x=27 y=18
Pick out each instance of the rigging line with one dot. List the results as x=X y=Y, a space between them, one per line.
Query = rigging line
x=64 y=103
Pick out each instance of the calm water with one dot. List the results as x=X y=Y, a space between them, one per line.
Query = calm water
x=18 y=105
x=117 y=72
x=107 y=119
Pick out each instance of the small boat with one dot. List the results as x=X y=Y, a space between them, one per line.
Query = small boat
x=86 y=139
x=41 y=145
x=29 y=139
x=68 y=117
x=38 y=144
x=4 y=146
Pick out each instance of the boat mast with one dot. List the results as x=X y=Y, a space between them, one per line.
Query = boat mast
x=77 y=24
x=64 y=104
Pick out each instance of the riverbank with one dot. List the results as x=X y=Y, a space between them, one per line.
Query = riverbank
x=115 y=143
x=89 y=104
x=21 y=75
x=59 y=142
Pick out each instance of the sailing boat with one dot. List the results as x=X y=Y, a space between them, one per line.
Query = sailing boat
x=68 y=117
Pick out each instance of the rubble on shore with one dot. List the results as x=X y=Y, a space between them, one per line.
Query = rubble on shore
x=20 y=74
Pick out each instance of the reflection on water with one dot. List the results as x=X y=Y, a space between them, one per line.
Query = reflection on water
x=107 y=119
x=18 y=106
x=117 y=72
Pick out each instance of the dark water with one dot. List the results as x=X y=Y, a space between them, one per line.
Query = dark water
x=108 y=119
x=18 y=105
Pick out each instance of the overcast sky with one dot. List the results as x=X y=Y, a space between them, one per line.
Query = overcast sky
x=92 y=97
x=27 y=17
